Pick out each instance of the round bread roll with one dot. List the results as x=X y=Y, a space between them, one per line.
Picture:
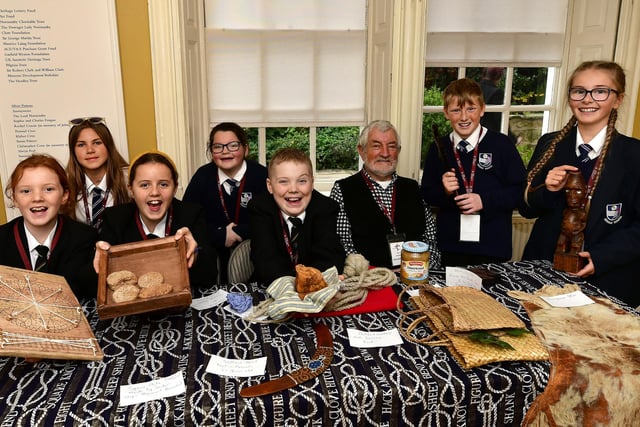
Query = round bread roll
x=125 y=293
x=150 y=279
x=122 y=277
x=155 y=290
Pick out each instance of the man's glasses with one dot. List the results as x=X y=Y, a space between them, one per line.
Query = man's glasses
x=92 y=120
x=231 y=146
x=597 y=94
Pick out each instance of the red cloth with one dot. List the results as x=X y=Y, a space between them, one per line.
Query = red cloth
x=384 y=299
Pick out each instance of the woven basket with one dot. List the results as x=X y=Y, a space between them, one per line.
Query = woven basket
x=451 y=312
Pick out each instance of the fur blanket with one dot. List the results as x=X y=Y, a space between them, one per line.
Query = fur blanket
x=595 y=356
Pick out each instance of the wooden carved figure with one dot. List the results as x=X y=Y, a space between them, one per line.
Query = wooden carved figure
x=574 y=221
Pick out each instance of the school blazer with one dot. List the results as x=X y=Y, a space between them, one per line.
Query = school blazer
x=319 y=244
x=612 y=234
x=71 y=257
x=119 y=226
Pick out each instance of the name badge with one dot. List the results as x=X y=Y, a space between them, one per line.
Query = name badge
x=469 y=228
x=395 y=242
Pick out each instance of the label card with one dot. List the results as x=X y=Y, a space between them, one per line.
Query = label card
x=469 y=228
x=152 y=390
x=366 y=339
x=572 y=299
x=209 y=301
x=237 y=367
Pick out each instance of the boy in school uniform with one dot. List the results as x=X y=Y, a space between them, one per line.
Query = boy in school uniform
x=292 y=223
x=474 y=176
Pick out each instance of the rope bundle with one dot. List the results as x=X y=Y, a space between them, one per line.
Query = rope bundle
x=353 y=289
x=359 y=279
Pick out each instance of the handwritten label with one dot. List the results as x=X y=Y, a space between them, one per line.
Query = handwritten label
x=458 y=276
x=209 y=301
x=152 y=390
x=366 y=339
x=237 y=367
x=572 y=299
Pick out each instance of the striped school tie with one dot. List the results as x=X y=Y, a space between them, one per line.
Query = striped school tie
x=584 y=149
x=41 y=261
x=97 y=206
x=233 y=186
x=462 y=146
x=295 y=236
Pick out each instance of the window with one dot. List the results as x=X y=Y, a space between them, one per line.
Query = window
x=518 y=99
x=291 y=71
x=511 y=47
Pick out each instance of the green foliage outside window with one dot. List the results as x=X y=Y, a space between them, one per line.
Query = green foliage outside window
x=335 y=146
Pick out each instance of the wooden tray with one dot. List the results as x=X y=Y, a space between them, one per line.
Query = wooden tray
x=166 y=256
x=40 y=318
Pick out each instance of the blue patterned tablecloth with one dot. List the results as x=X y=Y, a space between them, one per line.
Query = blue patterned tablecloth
x=408 y=384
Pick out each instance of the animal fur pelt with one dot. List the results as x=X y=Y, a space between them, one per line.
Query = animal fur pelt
x=595 y=356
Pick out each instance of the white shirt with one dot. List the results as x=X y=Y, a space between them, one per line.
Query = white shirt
x=473 y=140
x=238 y=177
x=32 y=243
x=596 y=143
x=289 y=224
x=160 y=227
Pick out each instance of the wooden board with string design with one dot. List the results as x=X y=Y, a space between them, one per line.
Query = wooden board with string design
x=41 y=318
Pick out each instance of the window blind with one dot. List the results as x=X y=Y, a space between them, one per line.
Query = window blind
x=496 y=31
x=286 y=60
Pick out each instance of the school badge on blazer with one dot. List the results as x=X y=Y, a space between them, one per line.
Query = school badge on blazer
x=485 y=161
x=613 y=213
x=245 y=198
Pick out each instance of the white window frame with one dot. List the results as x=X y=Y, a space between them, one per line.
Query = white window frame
x=548 y=108
x=399 y=99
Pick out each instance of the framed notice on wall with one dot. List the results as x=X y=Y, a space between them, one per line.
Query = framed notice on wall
x=59 y=60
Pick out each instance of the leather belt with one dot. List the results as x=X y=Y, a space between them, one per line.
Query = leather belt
x=318 y=363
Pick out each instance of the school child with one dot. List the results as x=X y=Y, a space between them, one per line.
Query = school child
x=608 y=161
x=224 y=188
x=43 y=238
x=156 y=213
x=96 y=170
x=474 y=176
x=292 y=223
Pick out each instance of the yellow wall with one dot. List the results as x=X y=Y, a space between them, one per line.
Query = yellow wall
x=636 y=121
x=135 y=60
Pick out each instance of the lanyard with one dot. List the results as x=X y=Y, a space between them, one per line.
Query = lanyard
x=390 y=215
x=167 y=226
x=238 y=197
x=26 y=259
x=590 y=186
x=287 y=242
x=468 y=184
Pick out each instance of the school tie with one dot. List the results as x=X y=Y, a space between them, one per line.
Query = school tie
x=584 y=162
x=41 y=261
x=295 y=236
x=462 y=146
x=151 y=236
x=233 y=185
x=97 y=206
x=584 y=150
